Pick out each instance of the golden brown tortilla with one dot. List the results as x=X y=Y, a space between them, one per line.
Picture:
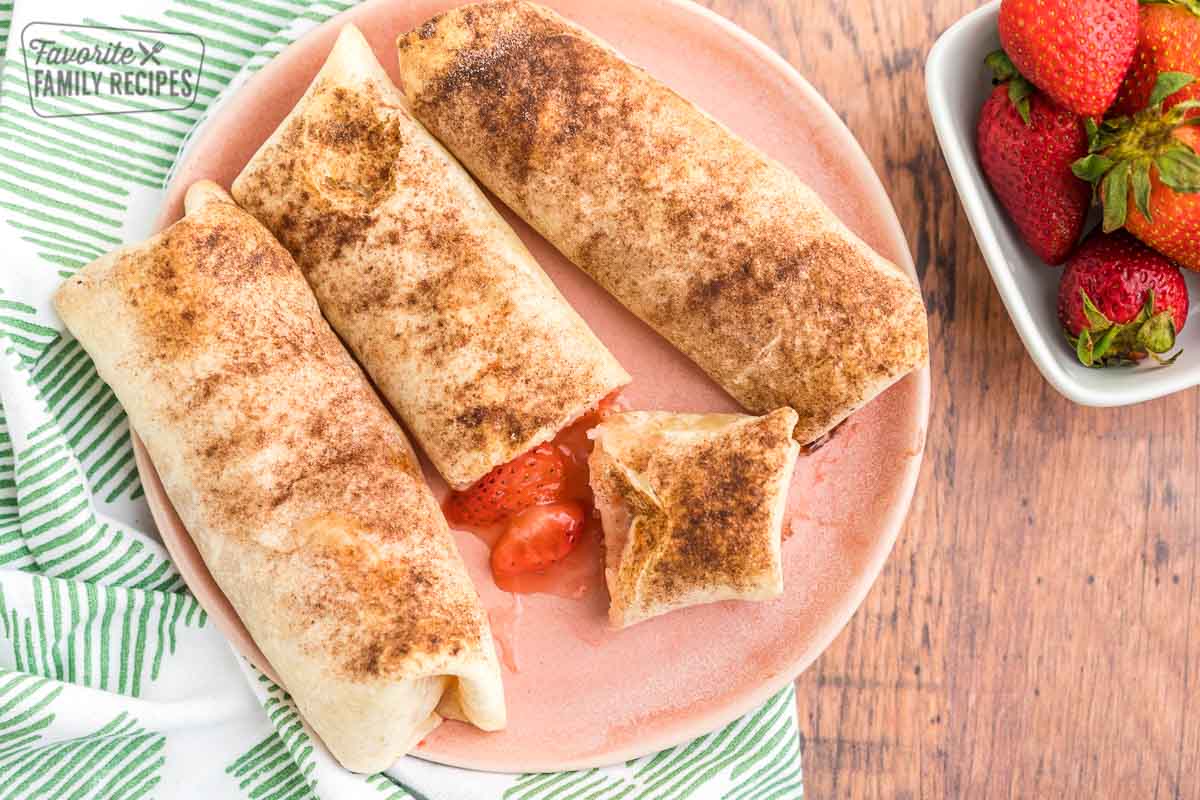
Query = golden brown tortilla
x=299 y=489
x=692 y=507
x=722 y=250
x=446 y=310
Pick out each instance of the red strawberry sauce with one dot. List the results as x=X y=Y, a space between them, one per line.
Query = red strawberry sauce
x=575 y=573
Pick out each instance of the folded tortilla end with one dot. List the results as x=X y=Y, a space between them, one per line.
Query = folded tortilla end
x=202 y=192
x=692 y=508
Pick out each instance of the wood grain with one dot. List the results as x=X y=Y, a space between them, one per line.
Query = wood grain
x=1031 y=635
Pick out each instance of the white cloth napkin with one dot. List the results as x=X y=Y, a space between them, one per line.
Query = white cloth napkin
x=112 y=682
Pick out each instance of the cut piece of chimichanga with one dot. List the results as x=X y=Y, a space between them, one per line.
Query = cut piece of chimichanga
x=300 y=491
x=458 y=326
x=692 y=507
x=724 y=251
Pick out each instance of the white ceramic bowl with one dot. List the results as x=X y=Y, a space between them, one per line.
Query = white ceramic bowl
x=958 y=83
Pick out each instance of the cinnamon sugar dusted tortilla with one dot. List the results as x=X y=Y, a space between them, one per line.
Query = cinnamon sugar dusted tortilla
x=300 y=491
x=449 y=314
x=692 y=507
x=722 y=250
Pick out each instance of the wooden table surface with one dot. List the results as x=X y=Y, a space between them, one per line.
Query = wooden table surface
x=1031 y=635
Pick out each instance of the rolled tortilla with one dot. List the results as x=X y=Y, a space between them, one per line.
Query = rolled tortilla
x=722 y=250
x=300 y=491
x=449 y=314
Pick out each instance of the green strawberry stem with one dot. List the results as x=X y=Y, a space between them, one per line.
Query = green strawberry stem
x=1123 y=150
x=1148 y=333
x=1019 y=88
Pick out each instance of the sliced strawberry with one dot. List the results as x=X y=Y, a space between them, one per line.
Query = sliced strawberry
x=538 y=537
x=529 y=480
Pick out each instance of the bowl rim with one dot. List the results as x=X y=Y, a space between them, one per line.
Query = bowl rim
x=968 y=187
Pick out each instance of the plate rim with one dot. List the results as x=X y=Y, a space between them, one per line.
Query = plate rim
x=869 y=185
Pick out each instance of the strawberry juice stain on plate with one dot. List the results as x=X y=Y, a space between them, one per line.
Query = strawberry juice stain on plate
x=505 y=620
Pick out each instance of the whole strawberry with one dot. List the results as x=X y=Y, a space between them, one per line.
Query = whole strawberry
x=1147 y=171
x=1026 y=146
x=1168 y=41
x=1076 y=51
x=1118 y=301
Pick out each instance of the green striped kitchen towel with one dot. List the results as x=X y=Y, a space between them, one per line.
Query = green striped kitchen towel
x=112 y=682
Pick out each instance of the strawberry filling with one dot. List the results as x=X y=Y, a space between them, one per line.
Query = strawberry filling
x=537 y=514
x=538 y=537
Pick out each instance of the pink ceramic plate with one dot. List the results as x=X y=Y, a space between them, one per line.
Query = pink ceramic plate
x=581 y=695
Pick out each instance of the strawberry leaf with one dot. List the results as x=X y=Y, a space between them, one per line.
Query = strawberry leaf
x=1095 y=317
x=1166 y=362
x=1182 y=113
x=1116 y=196
x=1140 y=178
x=1169 y=83
x=1105 y=343
x=1157 y=334
x=1001 y=65
x=1179 y=168
x=1019 y=91
x=1083 y=348
x=1147 y=309
x=1092 y=168
x=1181 y=108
